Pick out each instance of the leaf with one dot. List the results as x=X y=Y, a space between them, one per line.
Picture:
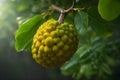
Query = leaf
x=21 y=20
x=26 y=32
x=106 y=68
x=87 y=70
x=109 y=9
x=70 y=67
x=82 y=51
x=100 y=26
x=81 y=22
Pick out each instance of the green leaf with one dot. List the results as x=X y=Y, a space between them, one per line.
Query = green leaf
x=100 y=26
x=26 y=32
x=81 y=22
x=106 y=68
x=70 y=67
x=109 y=9
x=87 y=70
x=83 y=52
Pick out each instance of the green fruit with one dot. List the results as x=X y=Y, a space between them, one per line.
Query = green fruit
x=45 y=35
x=54 y=34
x=49 y=41
x=55 y=48
x=61 y=32
x=47 y=49
x=54 y=43
x=64 y=38
x=56 y=40
x=41 y=48
x=66 y=47
x=60 y=44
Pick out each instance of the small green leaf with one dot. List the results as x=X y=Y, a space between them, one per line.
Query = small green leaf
x=109 y=9
x=106 y=68
x=81 y=22
x=26 y=32
x=87 y=70
x=82 y=51
x=70 y=67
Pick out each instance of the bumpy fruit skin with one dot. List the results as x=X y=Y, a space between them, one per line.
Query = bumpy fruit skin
x=54 y=43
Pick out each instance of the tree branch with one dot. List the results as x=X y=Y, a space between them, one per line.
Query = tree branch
x=57 y=8
x=63 y=13
x=71 y=8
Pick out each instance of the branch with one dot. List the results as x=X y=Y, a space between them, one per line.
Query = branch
x=71 y=8
x=63 y=13
x=57 y=8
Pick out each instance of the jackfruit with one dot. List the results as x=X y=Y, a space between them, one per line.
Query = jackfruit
x=54 y=43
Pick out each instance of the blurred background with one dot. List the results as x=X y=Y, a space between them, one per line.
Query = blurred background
x=14 y=65
x=20 y=65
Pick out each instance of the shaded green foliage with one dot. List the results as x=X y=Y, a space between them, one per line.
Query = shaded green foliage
x=109 y=9
x=81 y=22
x=95 y=55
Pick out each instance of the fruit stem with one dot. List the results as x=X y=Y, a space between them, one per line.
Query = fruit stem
x=62 y=17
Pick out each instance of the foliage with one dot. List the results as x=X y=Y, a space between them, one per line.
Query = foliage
x=98 y=27
x=25 y=34
x=109 y=9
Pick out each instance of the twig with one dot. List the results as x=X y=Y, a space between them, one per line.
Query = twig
x=57 y=8
x=63 y=13
x=71 y=8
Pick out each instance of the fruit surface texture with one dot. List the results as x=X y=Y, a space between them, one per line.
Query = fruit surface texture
x=54 y=43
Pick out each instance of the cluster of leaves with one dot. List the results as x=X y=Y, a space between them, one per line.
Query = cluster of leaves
x=96 y=54
x=98 y=38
